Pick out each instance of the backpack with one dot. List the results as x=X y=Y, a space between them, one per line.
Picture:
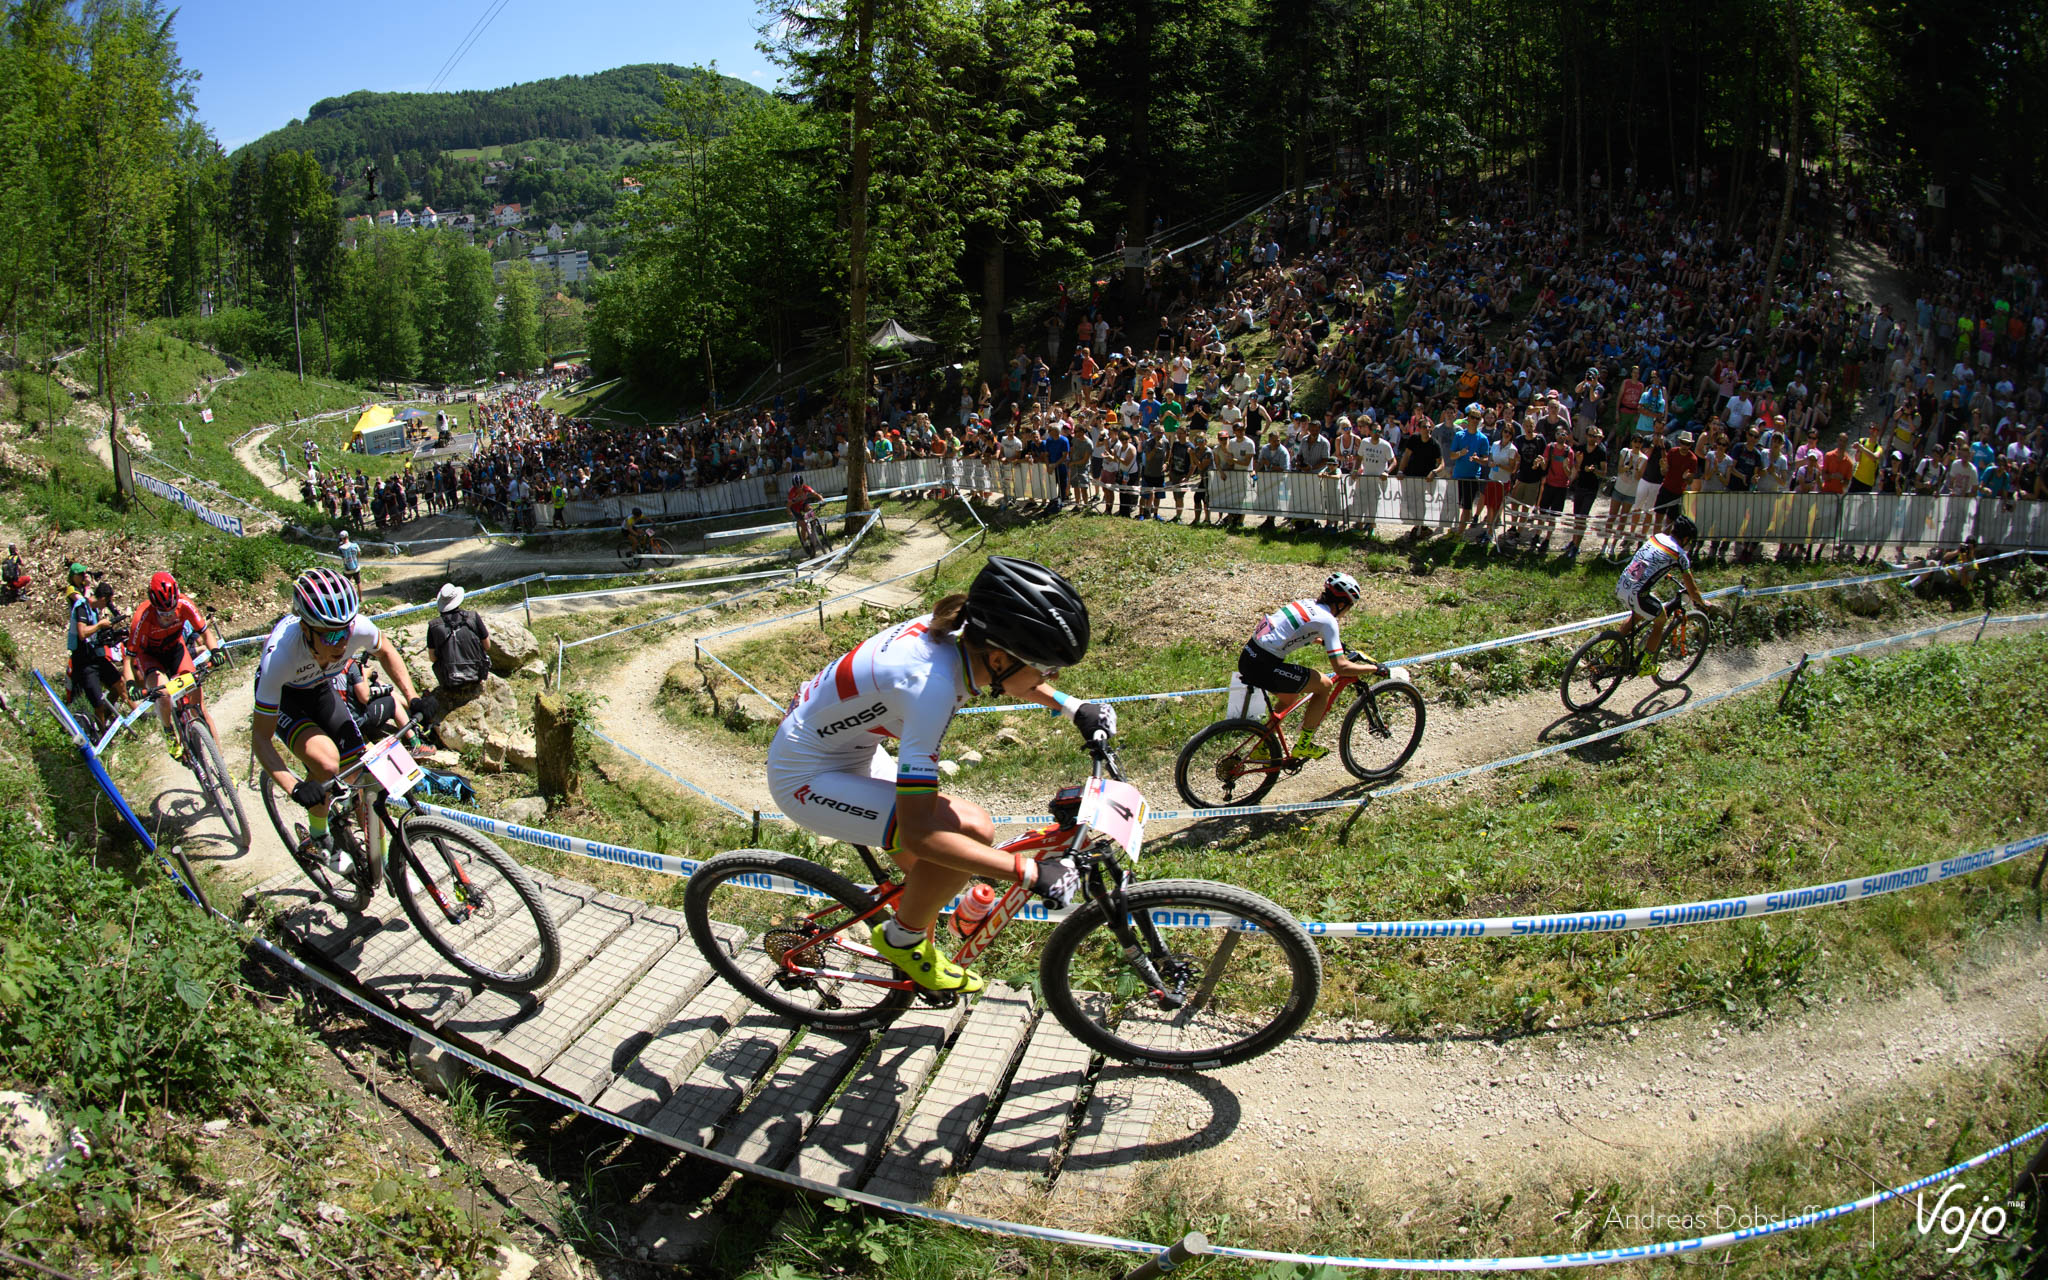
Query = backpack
x=465 y=660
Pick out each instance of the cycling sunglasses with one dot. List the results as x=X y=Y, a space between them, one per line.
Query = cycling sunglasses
x=333 y=639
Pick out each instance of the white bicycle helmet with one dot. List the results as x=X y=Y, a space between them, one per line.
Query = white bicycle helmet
x=1342 y=584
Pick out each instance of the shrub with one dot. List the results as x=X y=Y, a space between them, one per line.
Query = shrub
x=112 y=991
x=211 y=560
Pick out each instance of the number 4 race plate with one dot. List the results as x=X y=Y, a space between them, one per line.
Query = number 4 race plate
x=1114 y=809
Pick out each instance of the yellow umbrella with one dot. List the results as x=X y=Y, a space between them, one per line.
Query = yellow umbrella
x=376 y=417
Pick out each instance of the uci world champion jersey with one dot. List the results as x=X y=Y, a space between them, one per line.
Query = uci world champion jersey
x=1657 y=557
x=903 y=683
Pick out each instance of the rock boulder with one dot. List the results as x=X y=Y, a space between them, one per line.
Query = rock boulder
x=511 y=646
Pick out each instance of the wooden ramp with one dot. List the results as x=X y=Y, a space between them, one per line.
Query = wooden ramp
x=636 y=1024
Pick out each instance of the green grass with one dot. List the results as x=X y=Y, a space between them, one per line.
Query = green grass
x=615 y=402
x=1171 y=606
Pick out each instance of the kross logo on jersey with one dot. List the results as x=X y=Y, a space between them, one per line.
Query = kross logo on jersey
x=854 y=721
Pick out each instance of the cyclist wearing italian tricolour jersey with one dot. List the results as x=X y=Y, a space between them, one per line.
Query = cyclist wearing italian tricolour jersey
x=1013 y=631
x=295 y=695
x=1664 y=554
x=1296 y=625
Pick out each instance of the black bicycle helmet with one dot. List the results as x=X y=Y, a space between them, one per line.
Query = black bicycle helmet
x=1027 y=611
x=1683 y=529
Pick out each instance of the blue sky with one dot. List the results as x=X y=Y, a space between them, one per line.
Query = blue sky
x=263 y=62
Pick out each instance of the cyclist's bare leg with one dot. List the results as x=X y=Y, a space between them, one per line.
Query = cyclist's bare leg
x=321 y=756
x=154 y=681
x=1318 y=703
x=1657 y=630
x=960 y=845
x=206 y=714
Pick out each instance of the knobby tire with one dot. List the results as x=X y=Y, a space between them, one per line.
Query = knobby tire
x=1401 y=712
x=482 y=945
x=1226 y=746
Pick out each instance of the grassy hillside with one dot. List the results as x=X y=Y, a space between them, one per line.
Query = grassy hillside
x=366 y=126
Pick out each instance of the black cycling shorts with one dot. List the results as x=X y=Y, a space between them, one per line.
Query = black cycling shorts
x=305 y=713
x=1261 y=670
x=94 y=676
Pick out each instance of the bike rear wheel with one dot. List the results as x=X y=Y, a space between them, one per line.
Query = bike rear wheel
x=659 y=548
x=805 y=953
x=1231 y=762
x=1382 y=729
x=1595 y=671
x=508 y=939
x=629 y=554
x=204 y=754
x=1243 y=991
x=349 y=886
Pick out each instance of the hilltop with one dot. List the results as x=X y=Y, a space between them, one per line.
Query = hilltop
x=364 y=126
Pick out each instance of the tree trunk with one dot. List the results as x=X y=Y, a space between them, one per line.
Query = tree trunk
x=1138 y=171
x=856 y=380
x=992 y=354
x=1792 y=140
x=554 y=746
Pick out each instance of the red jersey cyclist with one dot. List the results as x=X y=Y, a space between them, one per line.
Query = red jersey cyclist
x=157 y=652
x=1017 y=626
x=801 y=498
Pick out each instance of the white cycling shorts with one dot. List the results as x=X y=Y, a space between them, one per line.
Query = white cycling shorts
x=839 y=804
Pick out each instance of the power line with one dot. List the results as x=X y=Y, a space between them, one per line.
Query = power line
x=476 y=33
x=466 y=37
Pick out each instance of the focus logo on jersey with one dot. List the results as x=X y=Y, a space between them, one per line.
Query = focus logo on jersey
x=804 y=795
x=856 y=720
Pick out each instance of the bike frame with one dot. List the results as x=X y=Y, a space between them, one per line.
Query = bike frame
x=1039 y=840
x=366 y=797
x=1277 y=714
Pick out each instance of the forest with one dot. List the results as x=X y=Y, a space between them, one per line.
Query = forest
x=948 y=163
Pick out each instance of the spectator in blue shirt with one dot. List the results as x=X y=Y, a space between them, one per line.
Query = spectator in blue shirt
x=1469 y=452
x=1055 y=449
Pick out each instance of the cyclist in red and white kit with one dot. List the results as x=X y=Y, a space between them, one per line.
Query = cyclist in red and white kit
x=157 y=652
x=1663 y=554
x=1295 y=625
x=1018 y=625
x=801 y=498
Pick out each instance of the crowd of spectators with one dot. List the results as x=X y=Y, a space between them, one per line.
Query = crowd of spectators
x=1628 y=352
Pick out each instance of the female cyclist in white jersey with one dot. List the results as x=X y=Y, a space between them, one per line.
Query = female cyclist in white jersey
x=295 y=695
x=1295 y=625
x=1663 y=554
x=1011 y=633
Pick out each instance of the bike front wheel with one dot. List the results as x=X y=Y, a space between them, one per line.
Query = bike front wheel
x=1190 y=976
x=346 y=879
x=805 y=951
x=474 y=904
x=1685 y=643
x=1382 y=729
x=216 y=781
x=1231 y=762
x=1595 y=671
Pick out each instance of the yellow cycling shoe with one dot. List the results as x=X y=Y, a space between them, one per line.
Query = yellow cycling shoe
x=925 y=964
x=1310 y=751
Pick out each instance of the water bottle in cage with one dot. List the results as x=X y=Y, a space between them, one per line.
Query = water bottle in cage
x=975 y=904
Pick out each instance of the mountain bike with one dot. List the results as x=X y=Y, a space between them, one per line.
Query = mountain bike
x=202 y=753
x=468 y=898
x=1236 y=761
x=810 y=532
x=1173 y=975
x=1599 y=666
x=635 y=545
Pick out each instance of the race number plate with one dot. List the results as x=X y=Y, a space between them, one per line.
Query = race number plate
x=1114 y=809
x=395 y=771
x=178 y=685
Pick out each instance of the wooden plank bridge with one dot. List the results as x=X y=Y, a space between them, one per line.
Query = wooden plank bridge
x=637 y=1025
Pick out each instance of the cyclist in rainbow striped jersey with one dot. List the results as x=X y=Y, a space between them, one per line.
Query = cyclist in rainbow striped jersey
x=1664 y=554
x=1018 y=625
x=1295 y=625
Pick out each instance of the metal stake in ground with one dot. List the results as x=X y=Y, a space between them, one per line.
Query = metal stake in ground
x=1192 y=1245
x=1791 y=680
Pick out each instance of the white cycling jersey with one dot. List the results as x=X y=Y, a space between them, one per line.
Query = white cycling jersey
x=1657 y=557
x=904 y=683
x=288 y=661
x=1294 y=625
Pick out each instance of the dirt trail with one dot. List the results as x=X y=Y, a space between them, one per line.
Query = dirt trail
x=1345 y=1099
x=632 y=716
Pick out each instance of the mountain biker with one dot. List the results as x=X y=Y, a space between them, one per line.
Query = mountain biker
x=636 y=533
x=157 y=652
x=1664 y=553
x=801 y=497
x=295 y=694
x=1018 y=625
x=1262 y=664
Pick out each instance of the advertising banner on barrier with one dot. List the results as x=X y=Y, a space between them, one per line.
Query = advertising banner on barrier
x=172 y=493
